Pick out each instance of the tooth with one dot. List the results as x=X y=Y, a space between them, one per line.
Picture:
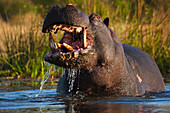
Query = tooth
x=78 y=30
x=76 y=54
x=84 y=38
x=68 y=46
x=55 y=45
x=59 y=45
x=56 y=29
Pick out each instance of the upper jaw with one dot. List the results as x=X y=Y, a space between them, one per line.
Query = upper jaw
x=76 y=40
x=67 y=15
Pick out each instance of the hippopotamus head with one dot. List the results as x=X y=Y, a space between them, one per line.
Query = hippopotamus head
x=83 y=43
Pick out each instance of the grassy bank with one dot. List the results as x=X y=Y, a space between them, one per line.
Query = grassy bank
x=140 y=23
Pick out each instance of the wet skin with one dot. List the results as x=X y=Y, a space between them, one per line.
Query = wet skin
x=105 y=65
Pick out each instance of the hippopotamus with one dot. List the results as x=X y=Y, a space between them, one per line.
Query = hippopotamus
x=94 y=59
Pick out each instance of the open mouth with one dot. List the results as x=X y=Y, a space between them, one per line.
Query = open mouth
x=75 y=39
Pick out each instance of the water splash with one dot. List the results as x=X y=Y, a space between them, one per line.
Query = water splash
x=45 y=77
x=72 y=75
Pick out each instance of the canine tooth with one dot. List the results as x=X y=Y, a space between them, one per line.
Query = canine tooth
x=68 y=46
x=84 y=38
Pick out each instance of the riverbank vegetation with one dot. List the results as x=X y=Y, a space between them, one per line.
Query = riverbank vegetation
x=140 y=23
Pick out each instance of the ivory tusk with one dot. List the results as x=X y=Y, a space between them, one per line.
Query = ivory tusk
x=84 y=38
x=68 y=46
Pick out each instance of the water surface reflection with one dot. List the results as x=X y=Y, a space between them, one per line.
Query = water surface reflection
x=50 y=101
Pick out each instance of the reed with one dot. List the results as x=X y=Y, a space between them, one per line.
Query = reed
x=24 y=47
x=139 y=23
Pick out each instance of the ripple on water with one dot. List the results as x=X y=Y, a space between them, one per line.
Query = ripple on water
x=49 y=100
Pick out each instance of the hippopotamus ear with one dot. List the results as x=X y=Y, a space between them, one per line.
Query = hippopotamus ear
x=106 y=21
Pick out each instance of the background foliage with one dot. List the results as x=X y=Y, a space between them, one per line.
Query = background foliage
x=140 y=23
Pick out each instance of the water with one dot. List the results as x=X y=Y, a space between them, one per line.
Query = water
x=72 y=75
x=45 y=77
x=49 y=101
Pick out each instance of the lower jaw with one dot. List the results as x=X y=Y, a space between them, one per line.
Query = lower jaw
x=73 y=59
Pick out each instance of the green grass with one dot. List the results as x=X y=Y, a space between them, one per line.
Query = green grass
x=143 y=24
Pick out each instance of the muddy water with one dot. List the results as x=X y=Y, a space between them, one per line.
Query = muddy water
x=49 y=101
